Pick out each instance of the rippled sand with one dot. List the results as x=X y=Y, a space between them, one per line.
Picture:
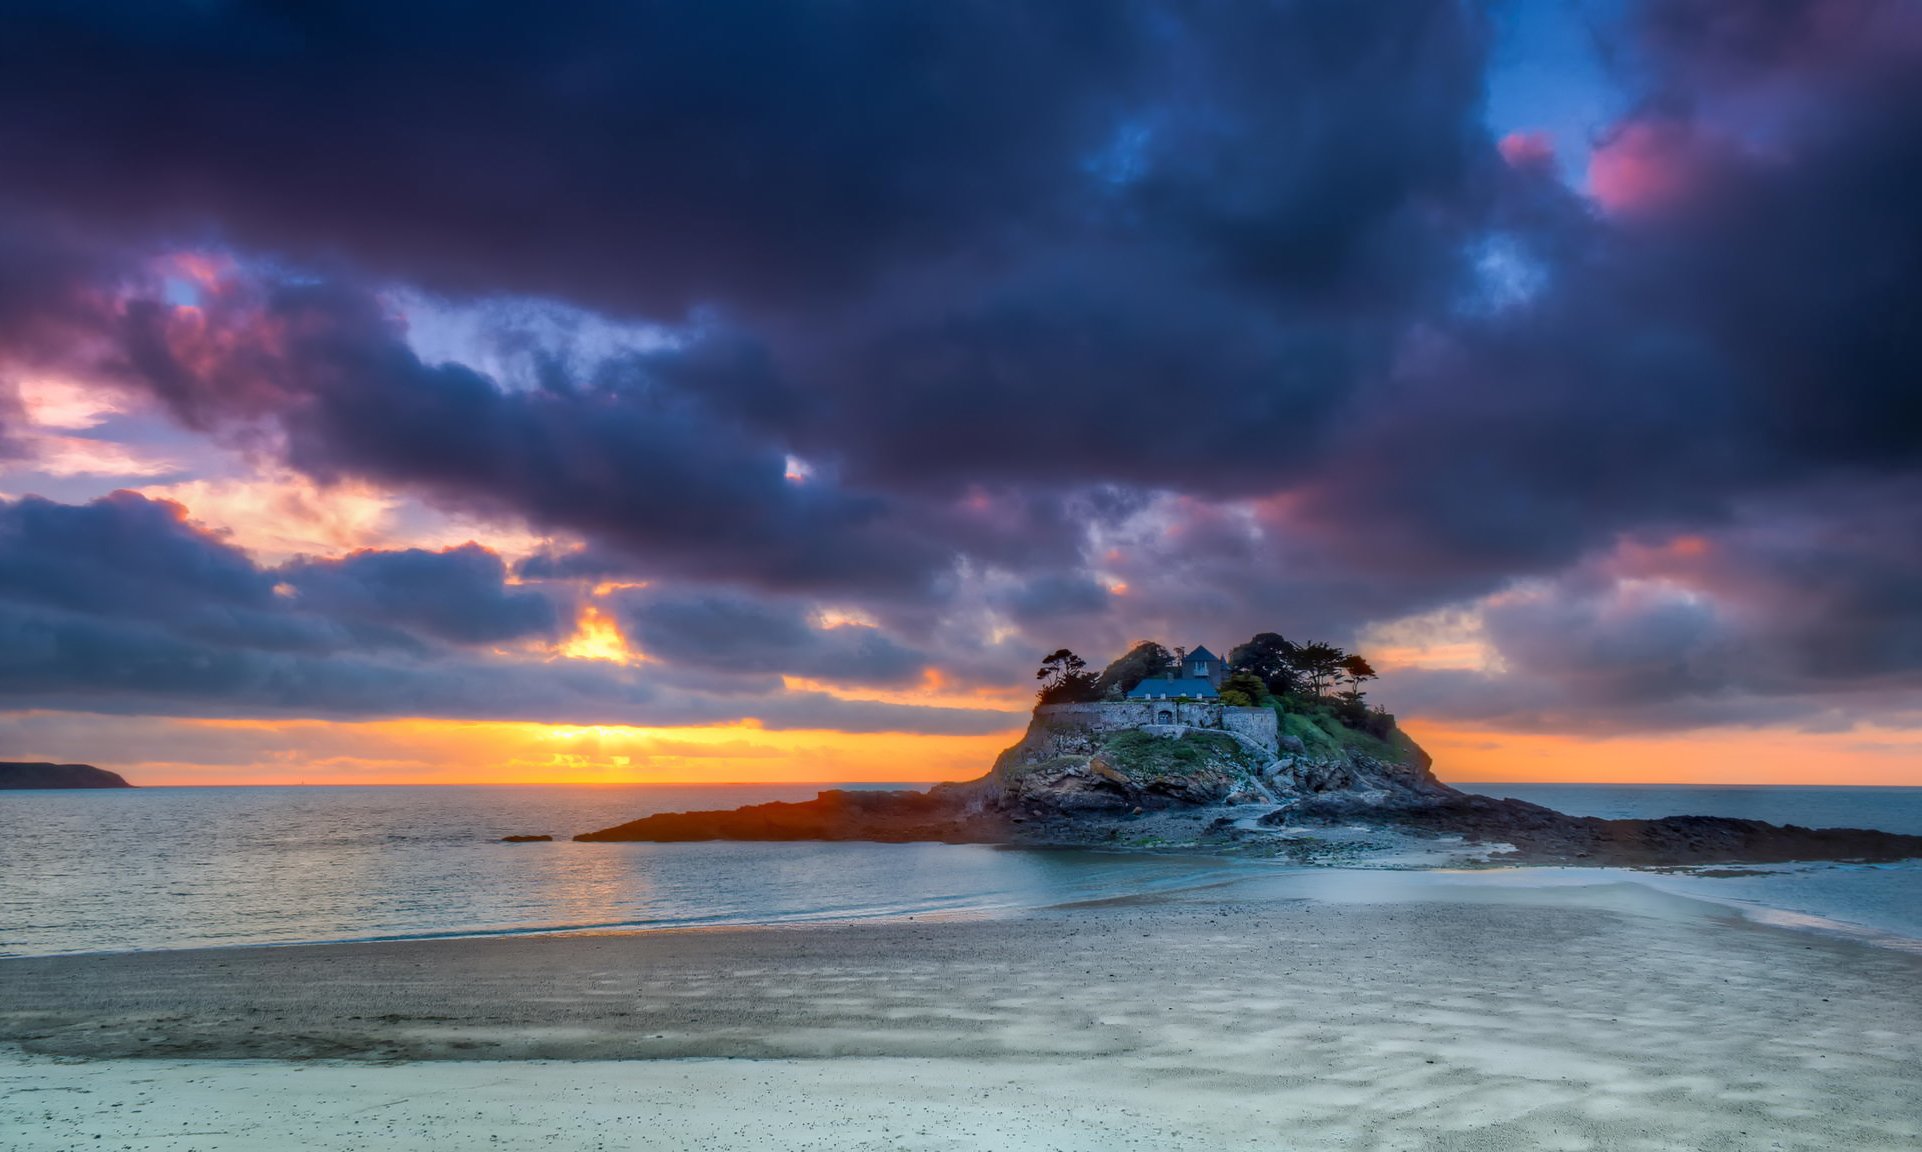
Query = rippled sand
x=1239 y=1017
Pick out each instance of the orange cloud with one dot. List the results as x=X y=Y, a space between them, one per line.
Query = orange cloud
x=597 y=637
x=276 y=515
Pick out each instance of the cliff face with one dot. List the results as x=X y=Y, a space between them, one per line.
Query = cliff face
x=1070 y=761
x=20 y=774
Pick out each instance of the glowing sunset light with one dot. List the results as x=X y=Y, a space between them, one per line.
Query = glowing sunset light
x=597 y=636
x=607 y=587
x=65 y=404
x=492 y=752
x=846 y=618
x=1757 y=756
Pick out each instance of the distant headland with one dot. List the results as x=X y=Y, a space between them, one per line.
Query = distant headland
x=1271 y=752
x=24 y=774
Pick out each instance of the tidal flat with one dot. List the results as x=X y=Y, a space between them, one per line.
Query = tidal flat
x=1603 y=1016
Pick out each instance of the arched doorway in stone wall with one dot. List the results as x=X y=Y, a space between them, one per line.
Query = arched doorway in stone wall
x=1164 y=715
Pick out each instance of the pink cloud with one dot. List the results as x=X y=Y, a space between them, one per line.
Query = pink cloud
x=1644 y=164
x=1525 y=150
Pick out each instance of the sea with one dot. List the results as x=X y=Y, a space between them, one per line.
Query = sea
x=160 y=868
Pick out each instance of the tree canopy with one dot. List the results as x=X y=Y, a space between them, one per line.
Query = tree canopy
x=1065 y=678
x=1318 y=664
x=1270 y=658
x=1267 y=666
x=1243 y=690
x=1146 y=659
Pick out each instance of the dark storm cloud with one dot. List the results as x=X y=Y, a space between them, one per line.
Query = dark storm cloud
x=641 y=454
x=1738 y=324
x=1237 y=305
x=128 y=561
x=655 y=155
x=1046 y=601
x=121 y=605
x=1802 y=610
x=458 y=595
x=741 y=634
x=126 y=557
x=1043 y=228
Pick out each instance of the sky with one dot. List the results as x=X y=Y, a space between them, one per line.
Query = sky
x=618 y=392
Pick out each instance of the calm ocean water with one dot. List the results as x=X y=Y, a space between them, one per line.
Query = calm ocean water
x=185 y=867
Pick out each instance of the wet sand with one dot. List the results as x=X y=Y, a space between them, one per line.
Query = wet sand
x=1237 y=1017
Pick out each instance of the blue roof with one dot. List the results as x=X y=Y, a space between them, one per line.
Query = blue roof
x=1190 y=686
x=1202 y=654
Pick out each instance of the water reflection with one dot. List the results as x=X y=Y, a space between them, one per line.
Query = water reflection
x=170 y=868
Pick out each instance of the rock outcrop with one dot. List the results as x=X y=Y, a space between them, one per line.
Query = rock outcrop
x=22 y=774
x=1069 y=780
x=1330 y=795
x=952 y=813
x=1541 y=835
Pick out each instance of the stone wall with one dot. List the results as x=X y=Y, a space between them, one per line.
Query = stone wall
x=1070 y=724
x=1258 y=724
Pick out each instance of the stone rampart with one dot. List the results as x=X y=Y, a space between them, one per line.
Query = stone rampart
x=1076 y=721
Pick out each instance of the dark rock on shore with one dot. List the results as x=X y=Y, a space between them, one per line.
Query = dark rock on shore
x=525 y=839
x=951 y=813
x=22 y=774
x=1544 y=836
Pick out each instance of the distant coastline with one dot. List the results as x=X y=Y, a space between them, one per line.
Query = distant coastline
x=23 y=774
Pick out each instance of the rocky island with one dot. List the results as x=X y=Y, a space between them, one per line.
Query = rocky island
x=1215 y=756
x=17 y=774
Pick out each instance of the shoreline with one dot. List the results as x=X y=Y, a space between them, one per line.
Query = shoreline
x=1464 y=871
x=1604 y=1016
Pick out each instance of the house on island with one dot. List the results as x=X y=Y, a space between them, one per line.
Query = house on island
x=1187 y=699
x=1200 y=679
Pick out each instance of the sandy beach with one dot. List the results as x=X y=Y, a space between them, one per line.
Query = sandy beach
x=1242 y=1016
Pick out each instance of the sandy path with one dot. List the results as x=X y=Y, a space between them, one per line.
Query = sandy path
x=1230 y=1020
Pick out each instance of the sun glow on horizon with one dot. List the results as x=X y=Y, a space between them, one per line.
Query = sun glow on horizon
x=1869 y=756
x=425 y=751
x=161 y=751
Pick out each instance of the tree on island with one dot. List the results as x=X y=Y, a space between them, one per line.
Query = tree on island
x=1355 y=670
x=1319 y=664
x=1065 y=678
x=1269 y=658
x=1243 y=690
x=1145 y=660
